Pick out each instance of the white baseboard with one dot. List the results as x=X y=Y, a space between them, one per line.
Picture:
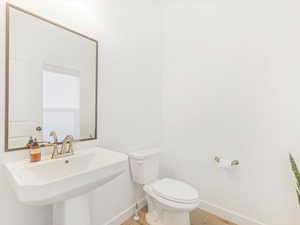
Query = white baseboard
x=126 y=214
x=216 y=210
x=228 y=214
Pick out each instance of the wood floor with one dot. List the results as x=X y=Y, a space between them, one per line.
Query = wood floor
x=198 y=217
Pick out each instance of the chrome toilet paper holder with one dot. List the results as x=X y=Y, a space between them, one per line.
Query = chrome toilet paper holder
x=233 y=162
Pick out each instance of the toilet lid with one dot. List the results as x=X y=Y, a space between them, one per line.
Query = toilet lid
x=175 y=190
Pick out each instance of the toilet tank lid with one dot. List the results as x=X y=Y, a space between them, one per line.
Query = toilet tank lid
x=140 y=155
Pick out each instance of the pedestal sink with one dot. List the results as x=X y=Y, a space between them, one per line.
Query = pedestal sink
x=65 y=182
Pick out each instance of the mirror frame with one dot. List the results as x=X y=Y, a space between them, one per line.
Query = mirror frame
x=7 y=36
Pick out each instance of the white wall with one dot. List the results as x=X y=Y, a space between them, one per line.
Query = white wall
x=129 y=92
x=231 y=89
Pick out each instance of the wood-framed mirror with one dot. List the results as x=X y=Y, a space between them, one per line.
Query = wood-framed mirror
x=51 y=80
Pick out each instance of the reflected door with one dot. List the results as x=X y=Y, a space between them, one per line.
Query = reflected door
x=25 y=102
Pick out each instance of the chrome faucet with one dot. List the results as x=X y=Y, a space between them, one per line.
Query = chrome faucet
x=66 y=148
x=67 y=145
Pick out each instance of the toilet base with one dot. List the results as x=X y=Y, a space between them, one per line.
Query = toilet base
x=169 y=218
x=159 y=215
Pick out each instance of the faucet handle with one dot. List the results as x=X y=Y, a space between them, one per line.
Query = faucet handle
x=53 y=134
x=55 y=152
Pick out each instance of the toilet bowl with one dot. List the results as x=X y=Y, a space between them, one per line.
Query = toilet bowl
x=169 y=201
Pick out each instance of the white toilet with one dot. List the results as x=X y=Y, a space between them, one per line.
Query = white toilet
x=169 y=201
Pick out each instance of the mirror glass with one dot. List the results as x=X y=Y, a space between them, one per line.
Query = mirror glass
x=51 y=80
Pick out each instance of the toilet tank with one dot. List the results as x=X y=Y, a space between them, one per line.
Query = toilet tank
x=144 y=165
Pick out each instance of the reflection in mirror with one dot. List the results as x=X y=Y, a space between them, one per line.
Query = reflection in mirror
x=51 y=77
x=61 y=112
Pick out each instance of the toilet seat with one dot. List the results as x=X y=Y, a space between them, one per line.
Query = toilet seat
x=174 y=191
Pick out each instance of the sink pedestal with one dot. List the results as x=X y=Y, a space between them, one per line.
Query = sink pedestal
x=74 y=211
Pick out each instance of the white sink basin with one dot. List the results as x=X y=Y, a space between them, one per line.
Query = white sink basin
x=64 y=182
x=55 y=180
